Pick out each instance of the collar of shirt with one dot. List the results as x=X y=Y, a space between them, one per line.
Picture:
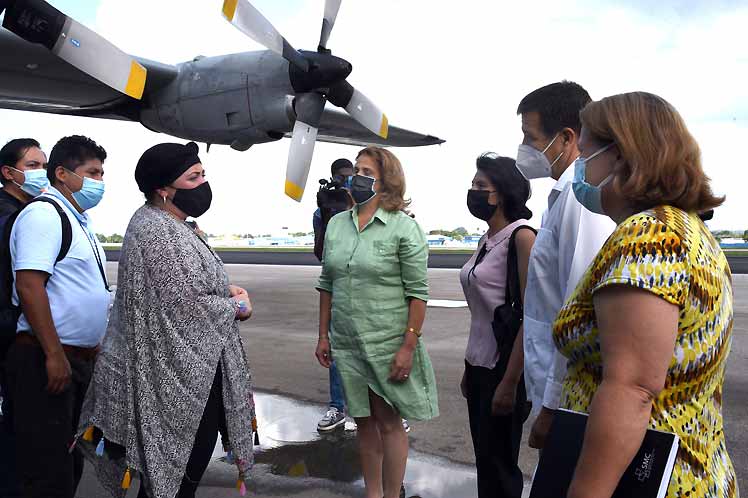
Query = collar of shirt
x=566 y=178
x=82 y=217
x=380 y=214
x=499 y=237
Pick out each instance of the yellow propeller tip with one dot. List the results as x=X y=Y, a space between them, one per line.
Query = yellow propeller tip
x=384 y=128
x=294 y=191
x=229 y=9
x=136 y=81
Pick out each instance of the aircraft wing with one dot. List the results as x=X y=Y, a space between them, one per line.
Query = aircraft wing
x=34 y=79
x=338 y=127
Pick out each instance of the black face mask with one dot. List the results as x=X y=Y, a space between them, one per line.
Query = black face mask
x=477 y=203
x=194 y=202
x=362 y=189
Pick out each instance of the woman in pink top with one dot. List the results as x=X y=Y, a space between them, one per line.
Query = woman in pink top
x=493 y=383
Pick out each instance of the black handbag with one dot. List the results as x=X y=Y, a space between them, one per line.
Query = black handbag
x=507 y=319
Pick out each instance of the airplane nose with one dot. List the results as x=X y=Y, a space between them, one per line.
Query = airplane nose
x=325 y=70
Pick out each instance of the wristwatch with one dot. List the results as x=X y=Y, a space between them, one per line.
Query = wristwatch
x=412 y=329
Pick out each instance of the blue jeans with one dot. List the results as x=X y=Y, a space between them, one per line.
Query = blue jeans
x=337 y=395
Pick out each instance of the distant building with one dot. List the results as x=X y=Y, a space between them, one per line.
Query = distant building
x=281 y=241
x=471 y=240
x=438 y=240
x=733 y=243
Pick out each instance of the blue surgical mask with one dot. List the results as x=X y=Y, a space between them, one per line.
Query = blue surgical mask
x=589 y=196
x=344 y=181
x=348 y=182
x=90 y=194
x=35 y=182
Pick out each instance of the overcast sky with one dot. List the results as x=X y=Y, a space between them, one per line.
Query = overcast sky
x=456 y=70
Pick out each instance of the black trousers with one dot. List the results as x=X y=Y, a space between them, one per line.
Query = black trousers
x=214 y=418
x=496 y=440
x=8 y=480
x=44 y=423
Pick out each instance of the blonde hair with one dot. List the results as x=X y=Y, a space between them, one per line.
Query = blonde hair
x=391 y=188
x=662 y=160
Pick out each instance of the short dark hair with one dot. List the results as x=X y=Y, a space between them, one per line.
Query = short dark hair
x=339 y=164
x=558 y=105
x=509 y=183
x=70 y=152
x=13 y=151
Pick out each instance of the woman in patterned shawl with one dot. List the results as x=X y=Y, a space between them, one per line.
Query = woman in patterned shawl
x=648 y=329
x=172 y=370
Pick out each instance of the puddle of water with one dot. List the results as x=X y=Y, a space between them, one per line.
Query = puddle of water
x=291 y=447
x=446 y=303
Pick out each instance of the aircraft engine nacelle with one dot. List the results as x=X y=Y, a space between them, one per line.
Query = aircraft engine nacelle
x=239 y=100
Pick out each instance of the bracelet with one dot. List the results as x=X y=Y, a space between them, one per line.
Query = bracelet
x=418 y=333
x=240 y=306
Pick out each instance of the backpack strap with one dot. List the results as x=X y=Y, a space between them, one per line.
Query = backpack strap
x=67 y=229
x=513 y=287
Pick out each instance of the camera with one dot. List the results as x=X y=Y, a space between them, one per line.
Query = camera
x=333 y=197
x=336 y=182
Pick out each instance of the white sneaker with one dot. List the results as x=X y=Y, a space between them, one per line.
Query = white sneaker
x=332 y=419
x=350 y=424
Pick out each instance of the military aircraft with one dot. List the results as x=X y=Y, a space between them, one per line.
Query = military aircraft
x=51 y=63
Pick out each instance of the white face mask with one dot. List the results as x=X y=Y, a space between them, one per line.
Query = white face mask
x=532 y=163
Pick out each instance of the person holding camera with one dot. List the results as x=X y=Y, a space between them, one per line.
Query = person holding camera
x=333 y=198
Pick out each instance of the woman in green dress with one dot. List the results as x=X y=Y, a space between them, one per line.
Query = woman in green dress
x=373 y=293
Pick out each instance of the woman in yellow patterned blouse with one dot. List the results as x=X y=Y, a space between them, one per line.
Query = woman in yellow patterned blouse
x=648 y=329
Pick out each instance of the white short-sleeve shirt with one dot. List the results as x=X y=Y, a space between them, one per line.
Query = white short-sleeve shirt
x=77 y=291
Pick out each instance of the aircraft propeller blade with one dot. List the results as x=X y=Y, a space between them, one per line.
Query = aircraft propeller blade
x=252 y=23
x=360 y=107
x=37 y=21
x=331 y=13
x=309 y=107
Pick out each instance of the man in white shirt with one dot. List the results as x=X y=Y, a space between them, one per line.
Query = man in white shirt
x=569 y=238
x=61 y=287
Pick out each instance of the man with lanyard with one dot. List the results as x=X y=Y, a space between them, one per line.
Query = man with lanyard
x=23 y=176
x=64 y=316
x=569 y=238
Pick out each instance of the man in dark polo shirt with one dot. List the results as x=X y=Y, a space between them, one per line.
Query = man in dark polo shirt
x=23 y=177
x=22 y=173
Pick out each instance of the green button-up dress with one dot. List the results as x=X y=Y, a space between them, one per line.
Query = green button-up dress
x=372 y=275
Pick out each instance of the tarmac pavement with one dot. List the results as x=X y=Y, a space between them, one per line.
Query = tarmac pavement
x=280 y=340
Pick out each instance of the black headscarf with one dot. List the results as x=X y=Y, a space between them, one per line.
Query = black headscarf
x=162 y=164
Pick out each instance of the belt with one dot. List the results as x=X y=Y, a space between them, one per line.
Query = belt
x=79 y=352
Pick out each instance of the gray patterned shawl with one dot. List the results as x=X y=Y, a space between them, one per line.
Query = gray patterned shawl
x=172 y=323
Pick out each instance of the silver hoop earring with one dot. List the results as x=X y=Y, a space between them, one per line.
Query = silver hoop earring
x=164 y=200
